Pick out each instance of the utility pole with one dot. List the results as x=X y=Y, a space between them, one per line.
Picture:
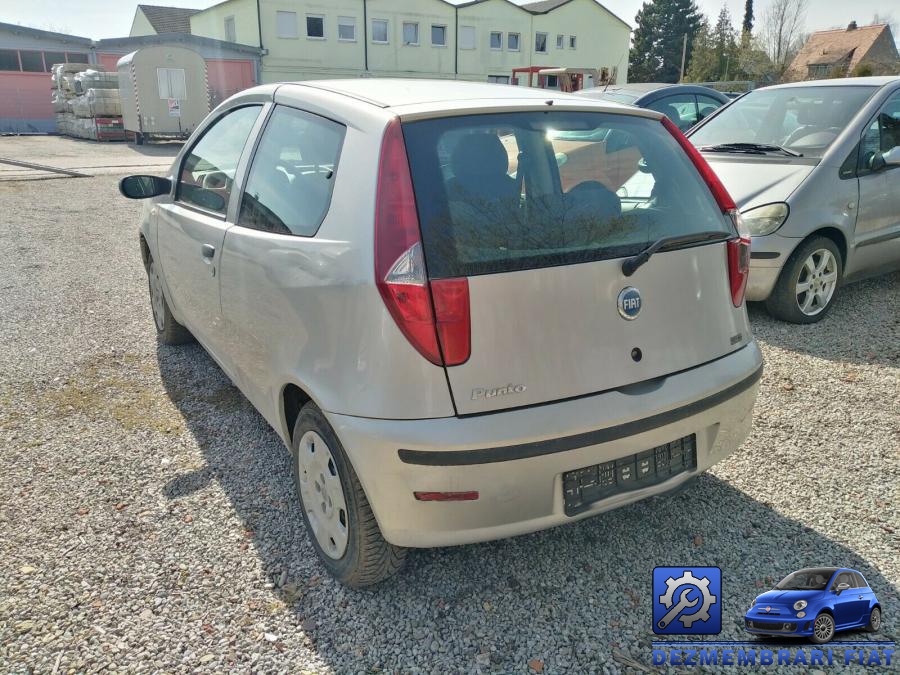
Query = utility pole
x=683 y=56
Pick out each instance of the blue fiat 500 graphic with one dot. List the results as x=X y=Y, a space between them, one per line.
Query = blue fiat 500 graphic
x=815 y=603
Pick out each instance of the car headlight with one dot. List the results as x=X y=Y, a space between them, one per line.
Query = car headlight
x=766 y=219
x=800 y=604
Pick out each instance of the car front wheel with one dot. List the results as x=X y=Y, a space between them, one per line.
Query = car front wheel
x=874 y=620
x=807 y=284
x=337 y=514
x=823 y=629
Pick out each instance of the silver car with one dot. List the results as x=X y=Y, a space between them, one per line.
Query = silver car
x=812 y=167
x=434 y=294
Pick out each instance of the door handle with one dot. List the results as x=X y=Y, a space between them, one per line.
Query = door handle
x=208 y=250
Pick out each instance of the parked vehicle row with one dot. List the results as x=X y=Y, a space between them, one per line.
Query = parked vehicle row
x=472 y=312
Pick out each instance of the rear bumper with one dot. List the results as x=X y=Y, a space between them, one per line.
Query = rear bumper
x=515 y=459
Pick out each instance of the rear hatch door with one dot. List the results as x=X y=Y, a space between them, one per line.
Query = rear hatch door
x=538 y=210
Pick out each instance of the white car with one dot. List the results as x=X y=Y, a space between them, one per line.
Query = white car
x=433 y=293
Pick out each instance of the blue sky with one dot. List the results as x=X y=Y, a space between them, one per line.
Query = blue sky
x=105 y=18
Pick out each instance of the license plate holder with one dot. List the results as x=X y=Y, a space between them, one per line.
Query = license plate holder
x=583 y=487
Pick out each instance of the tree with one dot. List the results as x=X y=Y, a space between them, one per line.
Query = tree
x=747 y=25
x=714 y=53
x=781 y=32
x=658 y=39
x=704 y=60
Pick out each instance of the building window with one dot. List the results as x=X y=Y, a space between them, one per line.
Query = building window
x=498 y=79
x=74 y=58
x=230 y=31
x=380 y=31
x=572 y=42
x=410 y=33
x=552 y=82
x=315 y=26
x=467 y=37
x=9 y=59
x=438 y=36
x=512 y=42
x=32 y=62
x=540 y=43
x=286 y=25
x=496 y=40
x=559 y=41
x=347 y=28
x=52 y=58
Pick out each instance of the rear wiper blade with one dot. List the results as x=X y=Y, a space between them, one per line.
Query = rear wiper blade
x=753 y=148
x=630 y=265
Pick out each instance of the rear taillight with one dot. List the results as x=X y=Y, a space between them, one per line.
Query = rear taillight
x=739 y=247
x=738 y=258
x=434 y=317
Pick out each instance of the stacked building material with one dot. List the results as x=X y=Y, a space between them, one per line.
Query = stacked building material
x=86 y=101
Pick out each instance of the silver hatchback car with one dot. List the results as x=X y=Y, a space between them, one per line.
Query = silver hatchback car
x=813 y=169
x=434 y=294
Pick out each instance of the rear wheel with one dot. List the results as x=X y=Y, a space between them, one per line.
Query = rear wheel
x=808 y=282
x=335 y=509
x=874 y=620
x=823 y=629
x=168 y=330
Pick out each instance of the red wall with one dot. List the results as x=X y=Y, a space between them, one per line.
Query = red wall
x=25 y=101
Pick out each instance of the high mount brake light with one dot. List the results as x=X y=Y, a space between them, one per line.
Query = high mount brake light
x=737 y=249
x=434 y=316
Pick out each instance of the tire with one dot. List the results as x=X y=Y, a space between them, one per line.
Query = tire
x=168 y=330
x=138 y=138
x=787 y=300
x=874 y=624
x=826 y=634
x=335 y=509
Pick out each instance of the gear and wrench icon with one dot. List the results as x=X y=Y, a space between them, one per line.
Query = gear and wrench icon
x=701 y=584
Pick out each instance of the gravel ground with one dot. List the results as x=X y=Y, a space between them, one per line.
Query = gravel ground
x=147 y=520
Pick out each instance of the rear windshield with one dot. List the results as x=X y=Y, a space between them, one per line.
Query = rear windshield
x=505 y=192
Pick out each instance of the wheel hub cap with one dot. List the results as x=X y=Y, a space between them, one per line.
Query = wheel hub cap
x=322 y=494
x=817 y=281
x=823 y=627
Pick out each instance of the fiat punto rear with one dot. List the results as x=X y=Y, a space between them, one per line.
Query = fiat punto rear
x=469 y=310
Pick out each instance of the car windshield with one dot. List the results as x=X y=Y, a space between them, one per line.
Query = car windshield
x=806 y=580
x=805 y=119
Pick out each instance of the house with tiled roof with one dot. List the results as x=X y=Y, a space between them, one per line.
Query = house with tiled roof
x=158 y=20
x=854 y=50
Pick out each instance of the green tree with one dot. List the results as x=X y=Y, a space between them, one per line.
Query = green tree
x=714 y=54
x=658 y=39
x=747 y=25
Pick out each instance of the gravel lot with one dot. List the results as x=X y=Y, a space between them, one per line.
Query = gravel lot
x=147 y=521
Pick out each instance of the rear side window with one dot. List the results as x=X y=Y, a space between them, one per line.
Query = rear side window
x=207 y=174
x=860 y=582
x=680 y=108
x=292 y=177
x=514 y=191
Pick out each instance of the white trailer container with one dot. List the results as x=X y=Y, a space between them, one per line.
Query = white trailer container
x=164 y=92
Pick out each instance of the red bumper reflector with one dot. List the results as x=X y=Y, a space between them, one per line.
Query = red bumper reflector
x=446 y=496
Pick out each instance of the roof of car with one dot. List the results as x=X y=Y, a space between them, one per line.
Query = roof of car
x=388 y=93
x=878 y=81
x=645 y=91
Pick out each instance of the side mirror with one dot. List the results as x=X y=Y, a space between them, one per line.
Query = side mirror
x=892 y=156
x=142 y=187
x=842 y=587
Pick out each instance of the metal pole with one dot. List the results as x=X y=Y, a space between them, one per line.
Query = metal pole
x=683 y=55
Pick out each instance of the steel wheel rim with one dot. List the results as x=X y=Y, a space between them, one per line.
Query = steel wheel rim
x=875 y=619
x=322 y=494
x=823 y=627
x=157 y=299
x=817 y=281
